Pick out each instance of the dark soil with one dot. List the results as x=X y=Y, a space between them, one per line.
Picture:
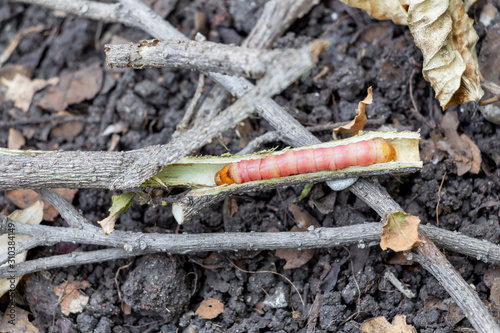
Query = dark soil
x=161 y=292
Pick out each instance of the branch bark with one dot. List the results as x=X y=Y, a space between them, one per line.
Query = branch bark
x=200 y=56
x=135 y=244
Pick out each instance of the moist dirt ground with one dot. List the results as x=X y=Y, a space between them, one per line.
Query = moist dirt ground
x=341 y=287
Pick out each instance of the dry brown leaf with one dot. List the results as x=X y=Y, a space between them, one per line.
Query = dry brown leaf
x=381 y=325
x=30 y=215
x=210 y=308
x=465 y=152
x=67 y=130
x=21 y=89
x=25 y=198
x=395 y=10
x=294 y=258
x=74 y=87
x=399 y=232
x=495 y=292
x=444 y=33
x=17 y=323
x=72 y=299
x=490 y=275
x=302 y=218
x=359 y=121
x=16 y=139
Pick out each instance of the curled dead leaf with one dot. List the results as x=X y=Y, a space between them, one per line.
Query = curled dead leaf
x=399 y=232
x=395 y=10
x=381 y=325
x=359 y=121
x=31 y=215
x=72 y=299
x=21 y=89
x=210 y=308
x=444 y=33
x=464 y=151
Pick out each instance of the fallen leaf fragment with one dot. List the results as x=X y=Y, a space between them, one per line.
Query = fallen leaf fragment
x=74 y=87
x=30 y=215
x=16 y=139
x=464 y=151
x=68 y=130
x=444 y=33
x=399 y=232
x=359 y=121
x=120 y=204
x=210 y=308
x=25 y=198
x=395 y=10
x=495 y=292
x=21 y=89
x=17 y=323
x=302 y=218
x=72 y=299
x=381 y=325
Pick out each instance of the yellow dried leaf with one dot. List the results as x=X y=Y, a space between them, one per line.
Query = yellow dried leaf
x=381 y=325
x=21 y=89
x=444 y=33
x=210 y=308
x=17 y=321
x=357 y=124
x=395 y=10
x=400 y=232
x=30 y=215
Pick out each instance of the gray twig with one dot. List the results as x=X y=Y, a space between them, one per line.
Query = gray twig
x=200 y=56
x=134 y=244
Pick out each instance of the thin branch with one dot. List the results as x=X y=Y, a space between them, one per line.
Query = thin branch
x=56 y=120
x=67 y=211
x=134 y=244
x=200 y=56
x=256 y=143
x=183 y=125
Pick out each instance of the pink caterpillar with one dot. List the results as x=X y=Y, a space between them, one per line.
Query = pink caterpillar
x=361 y=153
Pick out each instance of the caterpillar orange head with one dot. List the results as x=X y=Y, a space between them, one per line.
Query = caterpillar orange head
x=224 y=176
x=228 y=175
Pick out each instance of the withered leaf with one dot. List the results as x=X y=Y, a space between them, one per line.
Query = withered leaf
x=359 y=121
x=74 y=87
x=395 y=10
x=21 y=89
x=30 y=215
x=443 y=32
x=16 y=139
x=72 y=300
x=25 y=198
x=399 y=232
x=381 y=325
x=210 y=308
x=465 y=152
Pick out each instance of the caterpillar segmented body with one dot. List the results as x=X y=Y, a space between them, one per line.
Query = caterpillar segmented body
x=292 y=162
